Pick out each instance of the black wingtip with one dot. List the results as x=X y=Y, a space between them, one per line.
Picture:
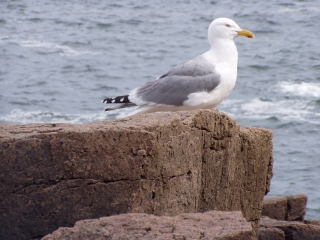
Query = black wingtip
x=108 y=100
x=118 y=99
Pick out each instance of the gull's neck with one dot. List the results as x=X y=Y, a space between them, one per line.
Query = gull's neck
x=223 y=50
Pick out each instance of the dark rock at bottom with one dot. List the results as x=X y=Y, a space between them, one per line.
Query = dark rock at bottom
x=208 y=225
x=287 y=230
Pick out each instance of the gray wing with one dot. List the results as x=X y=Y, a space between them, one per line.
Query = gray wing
x=173 y=88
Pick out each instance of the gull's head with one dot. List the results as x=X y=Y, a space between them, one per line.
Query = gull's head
x=226 y=28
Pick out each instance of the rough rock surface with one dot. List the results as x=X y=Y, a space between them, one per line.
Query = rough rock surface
x=270 y=234
x=208 y=225
x=53 y=175
x=292 y=208
x=275 y=208
x=314 y=222
x=292 y=230
x=297 y=207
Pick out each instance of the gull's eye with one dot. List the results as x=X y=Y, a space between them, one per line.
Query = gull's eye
x=228 y=26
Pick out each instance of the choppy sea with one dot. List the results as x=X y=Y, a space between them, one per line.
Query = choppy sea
x=59 y=59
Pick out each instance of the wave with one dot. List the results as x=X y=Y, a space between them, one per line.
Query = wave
x=283 y=110
x=50 y=117
x=50 y=47
x=304 y=89
x=294 y=101
x=54 y=47
x=25 y=117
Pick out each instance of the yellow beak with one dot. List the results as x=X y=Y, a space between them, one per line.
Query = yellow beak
x=246 y=33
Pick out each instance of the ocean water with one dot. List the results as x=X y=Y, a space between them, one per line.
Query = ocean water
x=59 y=59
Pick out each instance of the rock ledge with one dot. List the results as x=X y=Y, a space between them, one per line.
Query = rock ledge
x=208 y=225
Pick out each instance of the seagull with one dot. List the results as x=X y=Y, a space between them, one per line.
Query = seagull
x=200 y=83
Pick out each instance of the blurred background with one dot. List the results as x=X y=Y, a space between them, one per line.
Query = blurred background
x=59 y=59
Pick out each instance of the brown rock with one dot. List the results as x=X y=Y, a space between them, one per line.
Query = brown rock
x=275 y=208
x=293 y=230
x=314 y=222
x=53 y=175
x=297 y=207
x=270 y=234
x=209 y=225
x=292 y=208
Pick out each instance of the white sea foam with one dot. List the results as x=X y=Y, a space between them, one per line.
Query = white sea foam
x=22 y=117
x=301 y=89
x=4 y=38
x=286 y=110
x=53 y=47
x=299 y=107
